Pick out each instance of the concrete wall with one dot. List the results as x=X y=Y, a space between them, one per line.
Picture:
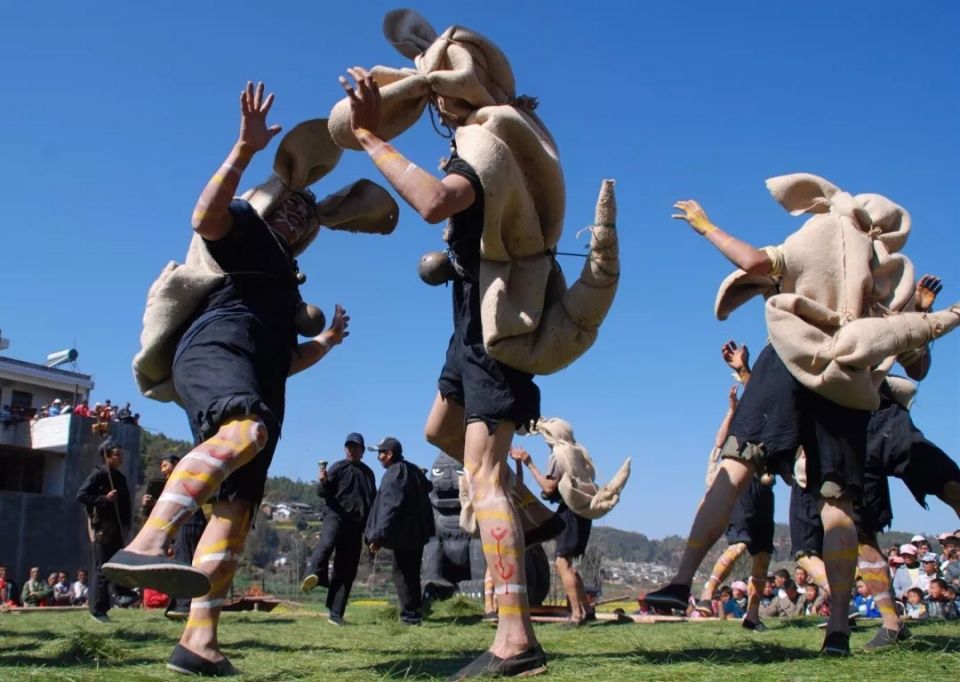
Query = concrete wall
x=50 y=530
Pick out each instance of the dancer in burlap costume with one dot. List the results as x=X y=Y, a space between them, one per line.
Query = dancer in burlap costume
x=514 y=317
x=220 y=338
x=836 y=322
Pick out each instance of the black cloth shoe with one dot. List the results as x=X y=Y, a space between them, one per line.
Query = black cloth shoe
x=669 y=598
x=548 y=530
x=182 y=660
x=886 y=638
x=166 y=575
x=756 y=627
x=531 y=662
x=836 y=644
x=101 y=618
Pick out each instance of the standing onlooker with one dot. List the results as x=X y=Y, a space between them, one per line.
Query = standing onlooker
x=402 y=520
x=79 y=589
x=908 y=574
x=106 y=496
x=35 y=590
x=348 y=488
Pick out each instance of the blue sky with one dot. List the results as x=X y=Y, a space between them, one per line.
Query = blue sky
x=117 y=113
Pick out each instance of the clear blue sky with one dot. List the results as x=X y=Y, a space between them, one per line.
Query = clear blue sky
x=117 y=113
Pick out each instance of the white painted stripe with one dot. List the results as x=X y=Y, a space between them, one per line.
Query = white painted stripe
x=182 y=500
x=491 y=502
x=217 y=556
x=206 y=459
x=209 y=604
x=510 y=588
x=875 y=564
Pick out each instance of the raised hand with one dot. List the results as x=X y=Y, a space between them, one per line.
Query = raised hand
x=732 y=397
x=519 y=454
x=694 y=214
x=338 y=329
x=927 y=289
x=254 y=107
x=364 y=100
x=737 y=358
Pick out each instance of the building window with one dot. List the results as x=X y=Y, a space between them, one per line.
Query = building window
x=21 y=404
x=20 y=472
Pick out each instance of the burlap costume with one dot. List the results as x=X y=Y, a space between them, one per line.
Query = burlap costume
x=531 y=320
x=843 y=310
x=304 y=155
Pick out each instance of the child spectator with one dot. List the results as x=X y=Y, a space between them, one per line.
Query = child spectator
x=728 y=605
x=937 y=603
x=812 y=601
x=915 y=608
x=739 y=590
x=863 y=601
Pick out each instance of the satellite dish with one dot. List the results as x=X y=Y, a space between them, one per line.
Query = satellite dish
x=62 y=357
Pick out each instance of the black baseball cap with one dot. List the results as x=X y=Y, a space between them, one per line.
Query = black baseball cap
x=354 y=438
x=388 y=443
x=170 y=457
x=108 y=445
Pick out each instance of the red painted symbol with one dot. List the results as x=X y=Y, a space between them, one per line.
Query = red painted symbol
x=505 y=571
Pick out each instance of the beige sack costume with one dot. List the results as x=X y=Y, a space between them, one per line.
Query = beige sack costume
x=531 y=320
x=842 y=311
x=304 y=155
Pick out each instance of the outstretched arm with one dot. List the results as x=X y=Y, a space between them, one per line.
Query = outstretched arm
x=738 y=359
x=211 y=217
x=738 y=252
x=724 y=429
x=310 y=352
x=434 y=199
x=917 y=362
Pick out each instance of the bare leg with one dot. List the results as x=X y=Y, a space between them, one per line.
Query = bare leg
x=713 y=515
x=758 y=574
x=217 y=554
x=876 y=575
x=568 y=576
x=196 y=477
x=444 y=430
x=839 y=558
x=487 y=474
x=816 y=571
x=722 y=569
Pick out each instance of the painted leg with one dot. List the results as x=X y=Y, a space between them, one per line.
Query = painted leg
x=722 y=569
x=568 y=576
x=758 y=575
x=588 y=609
x=839 y=558
x=444 y=430
x=217 y=555
x=196 y=477
x=875 y=573
x=501 y=534
x=816 y=571
x=489 y=605
x=713 y=515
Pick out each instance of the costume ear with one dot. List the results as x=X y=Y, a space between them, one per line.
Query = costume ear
x=408 y=32
x=306 y=154
x=802 y=192
x=363 y=206
x=892 y=220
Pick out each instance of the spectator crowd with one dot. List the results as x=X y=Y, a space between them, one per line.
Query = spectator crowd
x=56 y=590
x=102 y=412
x=926 y=586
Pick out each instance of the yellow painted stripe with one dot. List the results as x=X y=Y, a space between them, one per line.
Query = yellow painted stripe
x=512 y=611
x=489 y=548
x=158 y=523
x=201 y=623
x=495 y=514
x=198 y=476
x=383 y=158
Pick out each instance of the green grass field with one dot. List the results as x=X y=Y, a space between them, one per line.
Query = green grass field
x=300 y=645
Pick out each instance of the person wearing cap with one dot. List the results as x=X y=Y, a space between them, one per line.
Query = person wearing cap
x=348 y=488
x=106 y=496
x=908 y=574
x=402 y=520
x=929 y=570
x=950 y=567
x=227 y=363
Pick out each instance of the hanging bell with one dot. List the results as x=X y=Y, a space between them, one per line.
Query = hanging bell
x=301 y=278
x=309 y=320
x=435 y=268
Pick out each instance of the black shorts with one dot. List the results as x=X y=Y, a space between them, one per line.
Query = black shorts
x=489 y=390
x=777 y=414
x=572 y=542
x=228 y=367
x=806 y=528
x=888 y=454
x=752 y=520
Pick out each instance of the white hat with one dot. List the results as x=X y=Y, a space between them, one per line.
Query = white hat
x=908 y=549
x=917 y=538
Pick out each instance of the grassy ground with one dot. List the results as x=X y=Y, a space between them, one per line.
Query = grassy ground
x=301 y=645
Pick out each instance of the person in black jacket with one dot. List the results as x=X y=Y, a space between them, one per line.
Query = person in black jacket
x=402 y=520
x=348 y=489
x=106 y=496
